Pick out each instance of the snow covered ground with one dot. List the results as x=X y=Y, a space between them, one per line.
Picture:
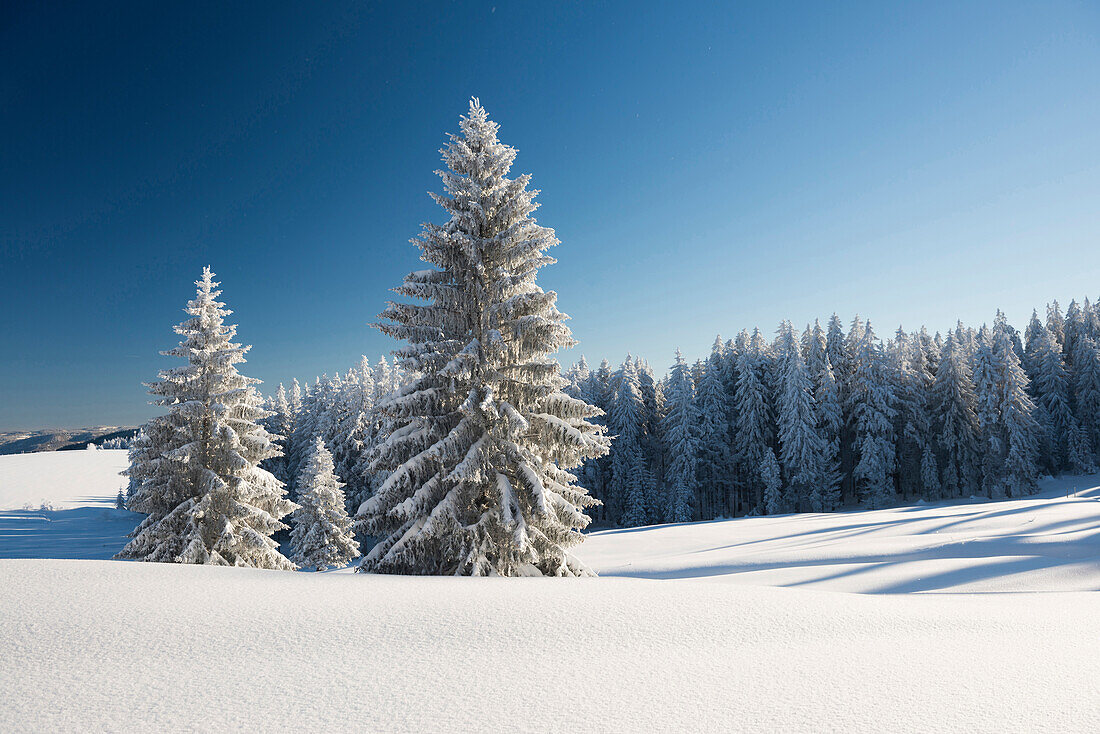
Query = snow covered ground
x=66 y=479
x=61 y=504
x=1046 y=542
x=651 y=645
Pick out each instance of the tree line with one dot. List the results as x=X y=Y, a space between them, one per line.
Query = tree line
x=826 y=418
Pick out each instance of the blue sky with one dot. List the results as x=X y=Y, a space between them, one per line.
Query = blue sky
x=708 y=167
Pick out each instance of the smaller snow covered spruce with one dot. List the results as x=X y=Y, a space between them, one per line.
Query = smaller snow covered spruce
x=830 y=425
x=485 y=436
x=322 y=536
x=773 y=484
x=195 y=471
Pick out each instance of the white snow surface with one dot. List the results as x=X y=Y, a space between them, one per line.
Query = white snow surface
x=67 y=479
x=1047 y=542
x=97 y=645
x=61 y=504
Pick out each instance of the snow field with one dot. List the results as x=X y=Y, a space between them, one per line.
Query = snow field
x=1048 y=542
x=80 y=487
x=200 y=648
x=100 y=645
x=66 y=479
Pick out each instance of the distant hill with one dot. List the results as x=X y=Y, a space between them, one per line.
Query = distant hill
x=60 y=439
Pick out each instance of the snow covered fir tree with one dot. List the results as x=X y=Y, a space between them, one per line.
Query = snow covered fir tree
x=681 y=428
x=195 y=471
x=322 y=537
x=484 y=437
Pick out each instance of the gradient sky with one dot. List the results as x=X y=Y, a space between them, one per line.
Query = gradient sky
x=707 y=168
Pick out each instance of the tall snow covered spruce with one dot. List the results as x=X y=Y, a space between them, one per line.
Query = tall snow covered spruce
x=802 y=449
x=955 y=418
x=196 y=471
x=872 y=399
x=1087 y=395
x=714 y=472
x=322 y=536
x=680 y=429
x=631 y=480
x=485 y=436
x=753 y=438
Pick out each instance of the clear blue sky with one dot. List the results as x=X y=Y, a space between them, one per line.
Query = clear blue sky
x=707 y=168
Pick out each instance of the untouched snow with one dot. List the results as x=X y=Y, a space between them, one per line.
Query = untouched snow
x=1046 y=542
x=66 y=479
x=100 y=645
x=80 y=487
x=112 y=646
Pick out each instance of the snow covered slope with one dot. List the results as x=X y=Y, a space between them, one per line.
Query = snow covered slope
x=61 y=504
x=1048 y=542
x=112 y=646
x=65 y=479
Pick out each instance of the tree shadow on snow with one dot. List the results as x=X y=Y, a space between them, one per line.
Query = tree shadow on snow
x=81 y=533
x=1006 y=554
